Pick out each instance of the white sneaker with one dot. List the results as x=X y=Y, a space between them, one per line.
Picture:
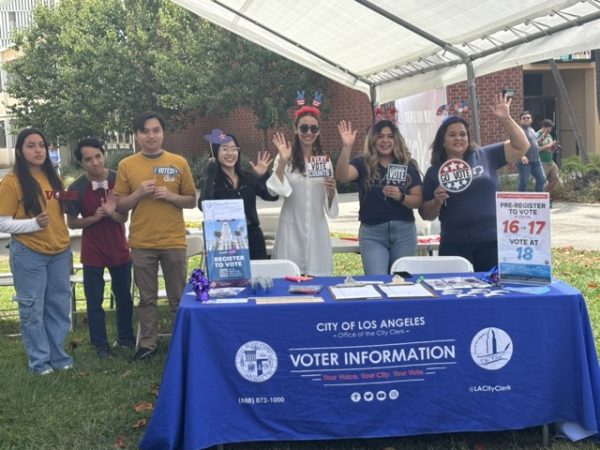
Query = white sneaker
x=67 y=367
x=46 y=372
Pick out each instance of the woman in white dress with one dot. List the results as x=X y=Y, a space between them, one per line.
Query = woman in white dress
x=302 y=231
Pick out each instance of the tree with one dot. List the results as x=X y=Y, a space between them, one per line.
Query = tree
x=257 y=79
x=89 y=66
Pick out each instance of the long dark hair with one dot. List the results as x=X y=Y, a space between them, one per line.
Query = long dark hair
x=438 y=152
x=297 y=155
x=33 y=197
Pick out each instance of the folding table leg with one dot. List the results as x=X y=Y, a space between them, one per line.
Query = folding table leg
x=545 y=435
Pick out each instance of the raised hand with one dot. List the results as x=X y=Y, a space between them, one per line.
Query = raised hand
x=347 y=135
x=501 y=108
x=283 y=147
x=263 y=160
x=110 y=205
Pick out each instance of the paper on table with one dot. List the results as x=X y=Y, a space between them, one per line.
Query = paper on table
x=354 y=292
x=227 y=300
x=406 y=291
x=294 y=299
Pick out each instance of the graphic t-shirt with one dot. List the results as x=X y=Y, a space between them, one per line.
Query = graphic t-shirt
x=155 y=223
x=52 y=239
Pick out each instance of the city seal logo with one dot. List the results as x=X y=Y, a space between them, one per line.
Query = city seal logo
x=455 y=175
x=491 y=348
x=256 y=361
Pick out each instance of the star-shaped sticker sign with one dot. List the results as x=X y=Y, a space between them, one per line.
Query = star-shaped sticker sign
x=455 y=175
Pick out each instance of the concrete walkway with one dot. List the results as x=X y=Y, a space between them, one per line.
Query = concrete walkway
x=572 y=224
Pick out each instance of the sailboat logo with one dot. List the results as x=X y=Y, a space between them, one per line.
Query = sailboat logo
x=491 y=348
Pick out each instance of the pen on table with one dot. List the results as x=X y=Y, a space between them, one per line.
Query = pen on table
x=420 y=279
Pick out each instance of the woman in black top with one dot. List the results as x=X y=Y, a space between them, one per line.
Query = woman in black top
x=225 y=179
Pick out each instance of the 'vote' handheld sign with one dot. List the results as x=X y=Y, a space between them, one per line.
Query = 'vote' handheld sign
x=523 y=222
x=319 y=167
x=396 y=175
x=455 y=175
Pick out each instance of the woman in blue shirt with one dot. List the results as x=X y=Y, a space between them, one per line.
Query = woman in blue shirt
x=387 y=223
x=468 y=218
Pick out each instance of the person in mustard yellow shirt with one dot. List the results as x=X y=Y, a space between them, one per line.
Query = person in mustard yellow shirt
x=155 y=185
x=32 y=211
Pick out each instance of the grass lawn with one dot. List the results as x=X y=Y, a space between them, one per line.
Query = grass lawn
x=106 y=404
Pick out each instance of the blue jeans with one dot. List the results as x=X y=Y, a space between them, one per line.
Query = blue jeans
x=43 y=294
x=380 y=245
x=93 y=286
x=535 y=168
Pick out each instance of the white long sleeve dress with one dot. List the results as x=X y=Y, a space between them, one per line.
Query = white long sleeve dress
x=302 y=231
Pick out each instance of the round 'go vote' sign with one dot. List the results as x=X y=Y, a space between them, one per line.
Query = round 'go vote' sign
x=455 y=175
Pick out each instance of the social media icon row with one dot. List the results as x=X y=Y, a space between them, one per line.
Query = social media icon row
x=369 y=396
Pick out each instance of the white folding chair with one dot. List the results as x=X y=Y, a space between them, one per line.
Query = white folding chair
x=274 y=268
x=431 y=264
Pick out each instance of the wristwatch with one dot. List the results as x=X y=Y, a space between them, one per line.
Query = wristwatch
x=402 y=198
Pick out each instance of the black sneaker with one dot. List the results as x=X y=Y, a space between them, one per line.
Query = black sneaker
x=103 y=352
x=142 y=353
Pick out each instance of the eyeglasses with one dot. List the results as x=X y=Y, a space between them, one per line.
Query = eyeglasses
x=314 y=129
x=230 y=149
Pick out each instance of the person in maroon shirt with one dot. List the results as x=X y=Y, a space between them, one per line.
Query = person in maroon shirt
x=103 y=245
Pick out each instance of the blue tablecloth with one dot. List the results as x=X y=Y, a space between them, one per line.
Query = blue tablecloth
x=375 y=368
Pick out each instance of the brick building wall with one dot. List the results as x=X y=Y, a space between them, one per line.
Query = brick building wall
x=488 y=85
x=348 y=104
x=344 y=103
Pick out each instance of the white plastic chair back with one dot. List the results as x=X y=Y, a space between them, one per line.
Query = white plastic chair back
x=195 y=245
x=431 y=264
x=274 y=268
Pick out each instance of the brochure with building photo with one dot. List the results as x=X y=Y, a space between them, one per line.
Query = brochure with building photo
x=319 y=166
x=226 y=243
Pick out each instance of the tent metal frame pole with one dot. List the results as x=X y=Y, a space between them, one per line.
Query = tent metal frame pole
x=466 y=59
x=471 y=85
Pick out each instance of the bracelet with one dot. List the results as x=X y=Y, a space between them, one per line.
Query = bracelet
x=402 y=198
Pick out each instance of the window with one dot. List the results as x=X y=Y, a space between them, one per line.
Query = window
x=2 y=134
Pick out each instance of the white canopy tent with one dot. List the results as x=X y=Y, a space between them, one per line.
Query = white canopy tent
x=389 y=49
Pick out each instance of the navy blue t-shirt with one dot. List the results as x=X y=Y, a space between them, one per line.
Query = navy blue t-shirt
x=470 y=216
x=376 y=208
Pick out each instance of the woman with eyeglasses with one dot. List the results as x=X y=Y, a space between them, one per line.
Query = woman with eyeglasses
x=302 y=231
x=32 y=211
x=389 y=186
x=468 y=216
x=224 y=180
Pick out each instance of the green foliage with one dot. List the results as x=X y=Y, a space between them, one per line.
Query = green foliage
x=342 y=187
x=113 y=157
x=89 y=66
x=581 y=181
